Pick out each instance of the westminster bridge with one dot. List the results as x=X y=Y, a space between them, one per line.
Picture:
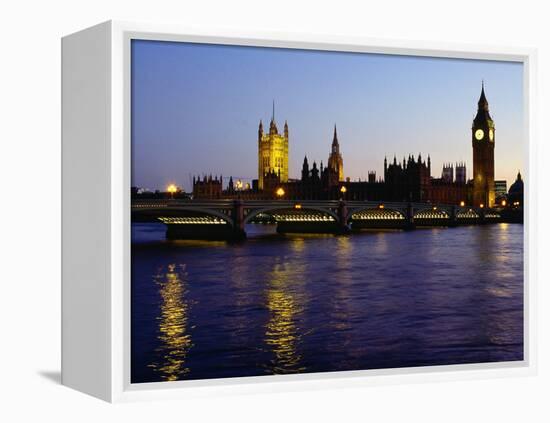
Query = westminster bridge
x=220 y=219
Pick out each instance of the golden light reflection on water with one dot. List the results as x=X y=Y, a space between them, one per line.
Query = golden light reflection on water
x=173 y=325
x=298 y=245
x=282 y=332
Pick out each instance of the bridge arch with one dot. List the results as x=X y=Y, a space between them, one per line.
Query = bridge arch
x=282 y=208
x=376 y=213
x=174 y=212
x=466 y=214
x=431 y=213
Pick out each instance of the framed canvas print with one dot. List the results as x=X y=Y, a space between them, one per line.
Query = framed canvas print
x=246 y=212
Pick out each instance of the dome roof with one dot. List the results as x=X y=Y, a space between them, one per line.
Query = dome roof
x=517 y=186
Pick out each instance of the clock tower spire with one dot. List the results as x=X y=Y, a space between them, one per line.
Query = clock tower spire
x=483 y=145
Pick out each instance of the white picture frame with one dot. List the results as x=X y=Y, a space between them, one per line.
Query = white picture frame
x=96 y=212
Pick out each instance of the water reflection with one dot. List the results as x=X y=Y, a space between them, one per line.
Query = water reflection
x=282 y=333
x=173 y=324
x=289 y=304
x=502 y=281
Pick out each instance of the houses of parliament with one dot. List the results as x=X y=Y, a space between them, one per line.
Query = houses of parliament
x=406 y=179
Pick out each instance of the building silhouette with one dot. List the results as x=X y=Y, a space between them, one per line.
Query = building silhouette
x=460 y=173
x=515 y=193
x=207 y=187
x=408 y=180
x=447 y=174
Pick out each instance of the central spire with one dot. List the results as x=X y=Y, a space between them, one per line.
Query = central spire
x=482 y=117
x=483 y=104
x=273 y=126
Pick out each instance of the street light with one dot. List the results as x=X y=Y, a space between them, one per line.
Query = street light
x=503 y=203
x=280 y=192
x=172 y=189
x=462 y=203
x=343 y=190
x=481 y=205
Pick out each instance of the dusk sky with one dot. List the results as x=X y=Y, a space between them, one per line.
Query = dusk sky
x=196 y=109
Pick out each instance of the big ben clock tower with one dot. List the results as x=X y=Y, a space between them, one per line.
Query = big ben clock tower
x=483 y=145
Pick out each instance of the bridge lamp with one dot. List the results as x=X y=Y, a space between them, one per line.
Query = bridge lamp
x=297 y=206
x=381 y=206
x=172 y=189
x=481 y=205
x=503 y=203
x=343 y=190
x=280 y=192
x=462 y=204
x=434 y=208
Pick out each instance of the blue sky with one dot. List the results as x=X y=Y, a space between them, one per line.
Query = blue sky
x=196 y=109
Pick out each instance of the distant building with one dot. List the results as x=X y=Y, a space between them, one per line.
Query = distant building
x=501 y=189
x=406 y=180
x=515 y=193
x=460 y=173
x=272 y=151
x=447 y=174
x=409 y=180
x=449 y=189
x=335 y=160
x=207 y=187
x=372 y=177
x=483 y=145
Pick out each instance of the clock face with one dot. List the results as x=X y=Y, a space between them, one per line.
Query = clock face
x=491 y=134
x=479 y=134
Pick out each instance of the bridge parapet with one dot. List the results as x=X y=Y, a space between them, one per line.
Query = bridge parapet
x=330 y=216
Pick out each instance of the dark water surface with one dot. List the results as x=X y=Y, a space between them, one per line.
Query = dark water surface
x=312 y=303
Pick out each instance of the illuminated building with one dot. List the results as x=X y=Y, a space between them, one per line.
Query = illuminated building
x=406 y=180
x=335 y=160
x=272 y=152
x=501 y=188
x=483 y=144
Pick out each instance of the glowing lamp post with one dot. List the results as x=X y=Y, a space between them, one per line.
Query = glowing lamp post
x=503 y=203
x=172 y=189
x=462 y=203
x=280 y=192
x=481 y=205
x=343 y=190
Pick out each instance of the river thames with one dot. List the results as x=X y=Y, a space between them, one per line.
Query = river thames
x=316 y=303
